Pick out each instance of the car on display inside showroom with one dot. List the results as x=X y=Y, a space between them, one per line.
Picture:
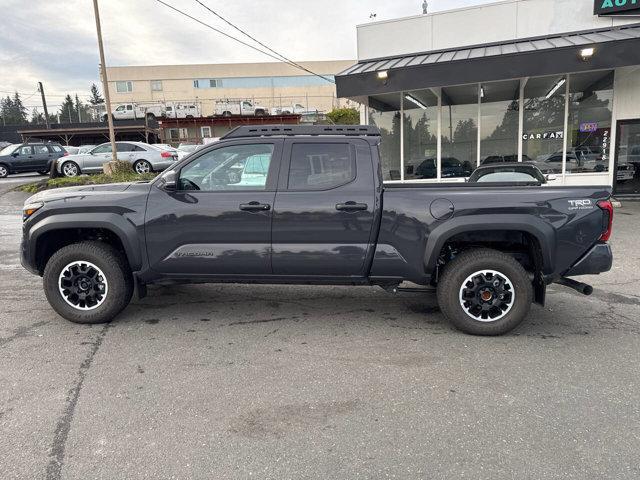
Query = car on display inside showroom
x=144 y=158
x=307 y=205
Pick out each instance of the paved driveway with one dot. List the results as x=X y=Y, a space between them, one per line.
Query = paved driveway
x=285 y=382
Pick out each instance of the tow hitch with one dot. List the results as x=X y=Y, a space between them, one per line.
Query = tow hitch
x=577 y=286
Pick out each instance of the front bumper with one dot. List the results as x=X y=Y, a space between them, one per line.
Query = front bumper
x=25 y=258
x=598 y=259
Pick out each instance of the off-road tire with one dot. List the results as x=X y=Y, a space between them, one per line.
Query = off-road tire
x=115 y=268
x=467 y=263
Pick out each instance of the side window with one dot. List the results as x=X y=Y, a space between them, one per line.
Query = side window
x=320 y=166
x=104 y=148
x=41 y=149
x=120 y=108
x=55 y=148
x=129 y=107
x=26 y=150
x=137 y=148
x=125 y=147
x=237 y=167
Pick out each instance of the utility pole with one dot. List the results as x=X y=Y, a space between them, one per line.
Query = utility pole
x=105 y=83
x=44 y=105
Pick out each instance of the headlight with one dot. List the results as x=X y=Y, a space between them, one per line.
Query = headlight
x=30 y=209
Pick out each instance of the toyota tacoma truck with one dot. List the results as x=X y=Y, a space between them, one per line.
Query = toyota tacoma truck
x=307 y=205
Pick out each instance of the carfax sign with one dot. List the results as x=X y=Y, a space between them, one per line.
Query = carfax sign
x=616 y=7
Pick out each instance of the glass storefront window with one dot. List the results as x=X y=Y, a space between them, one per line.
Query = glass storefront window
x=499 y=117
x=627 y=180
x=386 y=116
x=420 y=134
x=459 y=130
x=589 y=132
x=543 y=127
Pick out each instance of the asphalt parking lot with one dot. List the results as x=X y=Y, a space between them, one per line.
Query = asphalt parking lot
x=287 y=382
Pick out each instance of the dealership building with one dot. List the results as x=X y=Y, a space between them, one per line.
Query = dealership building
x=553 y=82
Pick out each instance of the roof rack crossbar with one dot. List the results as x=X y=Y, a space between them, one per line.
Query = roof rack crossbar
x=245 y=131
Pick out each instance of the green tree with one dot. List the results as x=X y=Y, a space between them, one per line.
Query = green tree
x=68 y=111
x=344 y=116
x=13 y=111
x=95 y=97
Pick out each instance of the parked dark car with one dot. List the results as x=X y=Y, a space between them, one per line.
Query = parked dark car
x=307 y=205
x=513 y=172
x=503 y=159
x=451 y=168
x=29 y=157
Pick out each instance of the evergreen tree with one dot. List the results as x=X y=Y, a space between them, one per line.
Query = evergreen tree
x=95 y=97
x=68 y=113
x=19 y=110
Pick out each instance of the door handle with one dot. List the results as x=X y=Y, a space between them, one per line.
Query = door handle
x=255 y=207
x=351 y=206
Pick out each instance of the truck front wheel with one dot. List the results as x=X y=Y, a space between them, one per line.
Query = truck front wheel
x=88 y=282
x=485 y=292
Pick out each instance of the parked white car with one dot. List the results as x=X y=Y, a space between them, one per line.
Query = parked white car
x=143 y=157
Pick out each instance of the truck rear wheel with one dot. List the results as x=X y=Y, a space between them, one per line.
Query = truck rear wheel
x=88 y=282
x=485 y=292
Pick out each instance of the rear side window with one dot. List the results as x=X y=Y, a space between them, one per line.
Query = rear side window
x=40 y=149
x=55 y=148
x=125 y=147
x=320 y=166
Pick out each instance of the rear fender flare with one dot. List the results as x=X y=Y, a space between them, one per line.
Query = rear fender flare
x=542 y=231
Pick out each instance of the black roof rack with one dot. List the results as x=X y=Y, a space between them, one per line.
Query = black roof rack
x=274 y=130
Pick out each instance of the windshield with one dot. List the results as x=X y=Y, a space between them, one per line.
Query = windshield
x=8 y=150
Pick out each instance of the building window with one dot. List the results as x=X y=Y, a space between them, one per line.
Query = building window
x=205 y=132
x=589 y=125
x=499 y=119
x=156 y=85
x=543 y=125
x=205 y=83
x=459 y=131
x=124 y=87
x=386 y=116
x=420 y=134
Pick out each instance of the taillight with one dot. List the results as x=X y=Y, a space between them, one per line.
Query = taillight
x=65 y=154
x=166 y=154
x=607 y=208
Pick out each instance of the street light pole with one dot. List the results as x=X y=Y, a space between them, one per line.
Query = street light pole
x=105 y=83
x=44 y=105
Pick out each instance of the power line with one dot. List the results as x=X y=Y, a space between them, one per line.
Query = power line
x=226 y=34
x=287 y=60
x=216 y=30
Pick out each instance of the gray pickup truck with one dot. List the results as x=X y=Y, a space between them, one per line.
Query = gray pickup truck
x=307 y=205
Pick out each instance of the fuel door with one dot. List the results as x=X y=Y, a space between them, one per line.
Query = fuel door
x=441 y=209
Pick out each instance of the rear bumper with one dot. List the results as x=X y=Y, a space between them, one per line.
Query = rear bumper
x=597 y=260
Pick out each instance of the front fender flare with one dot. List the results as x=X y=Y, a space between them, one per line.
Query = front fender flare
x=120 y=226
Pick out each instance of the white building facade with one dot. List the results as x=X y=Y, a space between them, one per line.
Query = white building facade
x=556 y=83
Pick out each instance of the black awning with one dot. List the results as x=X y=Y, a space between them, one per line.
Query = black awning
x=549 y=55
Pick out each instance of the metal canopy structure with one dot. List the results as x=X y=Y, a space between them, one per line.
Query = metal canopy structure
x=538 y=56
x=90 y=133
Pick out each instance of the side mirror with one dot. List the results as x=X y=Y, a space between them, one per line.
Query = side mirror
x=170 y=181
x=550 y=177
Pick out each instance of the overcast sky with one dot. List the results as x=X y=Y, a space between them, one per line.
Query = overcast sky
x=55 y=41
